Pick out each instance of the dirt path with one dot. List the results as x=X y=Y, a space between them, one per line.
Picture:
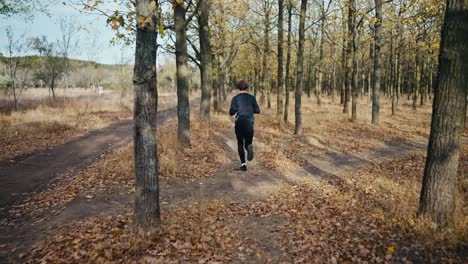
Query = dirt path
x=29 y=173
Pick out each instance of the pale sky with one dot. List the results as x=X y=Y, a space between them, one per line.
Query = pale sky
x=42 y=24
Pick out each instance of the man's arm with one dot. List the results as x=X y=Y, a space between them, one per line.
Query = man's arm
x=233 y=108
x=256 y=107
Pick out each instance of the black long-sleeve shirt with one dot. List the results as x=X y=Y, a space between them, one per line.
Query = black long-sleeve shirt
x=245 y=106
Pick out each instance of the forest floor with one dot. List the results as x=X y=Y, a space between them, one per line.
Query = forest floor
x=343 y=192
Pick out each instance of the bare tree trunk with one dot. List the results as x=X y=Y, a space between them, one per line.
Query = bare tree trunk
x=397 y=64
x=266 y=50
x=183 y=107
x=300 y=69
x=343 y=67
x=206 y=56
x=394 y=83
x=215 y=96
x=310 y=80
x=437 y=199
x=287 y=87
x=352 y=31
x=422 y=82
x=52 y=87
x=333 y=83
x=257 y=72
x=279 y=91
x=146 y=211
x=417 y=76
x=370 y=73
x=349 y=50
x=377 y=63
x=320 y=62
x=15 y=101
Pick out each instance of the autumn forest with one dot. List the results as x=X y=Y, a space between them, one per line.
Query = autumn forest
x=352 y=115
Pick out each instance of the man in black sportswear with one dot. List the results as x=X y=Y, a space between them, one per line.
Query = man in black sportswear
x=244 y=106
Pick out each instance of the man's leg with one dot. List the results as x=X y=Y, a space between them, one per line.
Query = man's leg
x=240 y=143
x=248 y=137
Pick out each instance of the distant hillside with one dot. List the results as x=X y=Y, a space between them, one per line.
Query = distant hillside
x=35 y=60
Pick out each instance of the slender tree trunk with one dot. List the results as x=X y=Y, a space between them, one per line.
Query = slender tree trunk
x=279 y=91
x=183 y=107
x=417 y=76
x=333 y=83
x=310 y=70
x=266 y=50
x=370 y=73
x=430 y=85
x=349 y=51
x=422 y=81
x=222 y=68
x=320 y=62
x=343 y=67
x=215 y=96
x=437 y=199
x=300 y=69
x=397 y=63
x=352 y=32
x=287 y=87
x=146 y=211
x=394 y=84
x=52 y=87
x=206 y=56
x=377 y=64
x=13 y=87
x=257 y=72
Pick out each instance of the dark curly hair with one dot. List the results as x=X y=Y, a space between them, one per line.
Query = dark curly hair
x=242 y=85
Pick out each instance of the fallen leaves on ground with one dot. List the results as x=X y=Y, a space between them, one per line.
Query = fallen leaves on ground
x=362 y=216
x=196 y=233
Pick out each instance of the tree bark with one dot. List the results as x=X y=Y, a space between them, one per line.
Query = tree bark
x=279 y=91
x=377 y=63
x=348 y=71
x=417 y=75
x=206 y=56
x=287 y=87
x=394 y=81
x=320 y=62
x=266 y=50
x=343 y=67
x=146 y=211
x=438 y=192
x=183 y=107
x=300 y=69
x=352 y=31
x=52 y=87
x=310 y=80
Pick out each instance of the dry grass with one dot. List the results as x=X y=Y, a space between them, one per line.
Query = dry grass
x=330 y=128
x=42 y=123
x=202 y=159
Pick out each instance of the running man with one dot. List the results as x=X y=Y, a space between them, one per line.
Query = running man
x=244 y=106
